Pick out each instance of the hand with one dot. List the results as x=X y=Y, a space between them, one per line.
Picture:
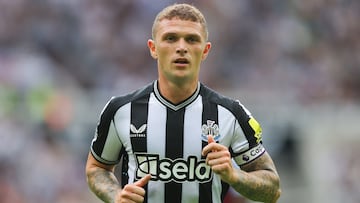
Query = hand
x=219 y=159
x=133 y=193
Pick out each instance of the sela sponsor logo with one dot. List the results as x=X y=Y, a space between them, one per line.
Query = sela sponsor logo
x=166 y=170
x=210 y=128
x=134 y=132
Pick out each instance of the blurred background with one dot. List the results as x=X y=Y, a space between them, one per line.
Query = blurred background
x=295 y=64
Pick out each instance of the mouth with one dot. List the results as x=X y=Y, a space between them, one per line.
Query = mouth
x=181 y=61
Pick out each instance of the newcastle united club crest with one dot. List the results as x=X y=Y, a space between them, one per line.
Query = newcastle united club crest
x=210 y=128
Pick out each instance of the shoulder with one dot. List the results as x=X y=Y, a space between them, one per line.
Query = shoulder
x=118 y=101
x=249 y=125
x=228 y=103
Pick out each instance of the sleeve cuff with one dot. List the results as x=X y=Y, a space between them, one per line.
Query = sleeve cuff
x=249 y=155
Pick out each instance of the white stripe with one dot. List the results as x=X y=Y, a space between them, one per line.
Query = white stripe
x=239 y=141
x=216 y=189
x=226 y=125
x=122 y=123
x=225 y=121
x=112 y=145
x=192 y=146
x=192 y=129
x=156 y=144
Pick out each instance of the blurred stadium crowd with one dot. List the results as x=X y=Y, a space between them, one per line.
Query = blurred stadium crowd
x=61 y=60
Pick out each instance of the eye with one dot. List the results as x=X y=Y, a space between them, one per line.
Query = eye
x=192 y=39
x=170 y=38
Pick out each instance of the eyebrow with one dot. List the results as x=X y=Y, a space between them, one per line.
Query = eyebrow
x=186 y=35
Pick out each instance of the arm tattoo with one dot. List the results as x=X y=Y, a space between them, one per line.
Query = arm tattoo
x=104 y=184
x=259 y=180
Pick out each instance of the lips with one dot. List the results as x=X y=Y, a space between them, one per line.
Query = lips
x=181 y=61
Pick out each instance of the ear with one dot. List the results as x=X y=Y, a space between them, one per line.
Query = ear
x=206 y=50
x=151 y=45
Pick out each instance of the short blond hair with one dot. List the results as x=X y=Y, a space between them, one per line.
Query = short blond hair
x=183 y=12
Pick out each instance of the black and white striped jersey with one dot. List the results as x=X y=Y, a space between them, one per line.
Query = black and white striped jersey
x=154 y=136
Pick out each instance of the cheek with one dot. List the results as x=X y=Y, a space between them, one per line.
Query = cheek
x=164 y=54
x=200 y=54
x=163 y=58
x=162 y=50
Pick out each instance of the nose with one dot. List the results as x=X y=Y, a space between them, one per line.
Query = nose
x=181 y=49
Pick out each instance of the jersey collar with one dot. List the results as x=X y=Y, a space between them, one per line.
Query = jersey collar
x=171 y=105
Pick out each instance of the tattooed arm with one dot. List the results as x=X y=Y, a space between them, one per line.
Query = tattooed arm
x=104 y=184
x=101 y=179
x=257 y=180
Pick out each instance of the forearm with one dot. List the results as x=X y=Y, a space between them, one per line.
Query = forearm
x=103 y=183
x=261 y=185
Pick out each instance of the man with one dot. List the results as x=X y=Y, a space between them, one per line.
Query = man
x=176 y=137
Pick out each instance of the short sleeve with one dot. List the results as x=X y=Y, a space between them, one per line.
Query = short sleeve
x=246 y=126
x=106 y=145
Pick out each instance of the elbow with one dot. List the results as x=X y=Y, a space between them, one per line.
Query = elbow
x=277 y=195
x=277 y=192
x=89 y=175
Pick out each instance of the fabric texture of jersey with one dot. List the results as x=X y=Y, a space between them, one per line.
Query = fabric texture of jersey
x=153 y=136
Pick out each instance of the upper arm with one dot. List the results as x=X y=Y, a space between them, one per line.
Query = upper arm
x=92 y=164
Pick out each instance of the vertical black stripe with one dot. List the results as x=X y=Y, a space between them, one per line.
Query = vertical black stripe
x=210 y=113
x=139 y=117
x=174 y=149
x=124 y=170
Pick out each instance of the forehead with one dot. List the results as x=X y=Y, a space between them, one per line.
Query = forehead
x=180 y=27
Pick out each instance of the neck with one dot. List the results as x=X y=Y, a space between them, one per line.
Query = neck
x=176 y=93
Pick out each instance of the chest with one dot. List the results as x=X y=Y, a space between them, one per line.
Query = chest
x=156 y=129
